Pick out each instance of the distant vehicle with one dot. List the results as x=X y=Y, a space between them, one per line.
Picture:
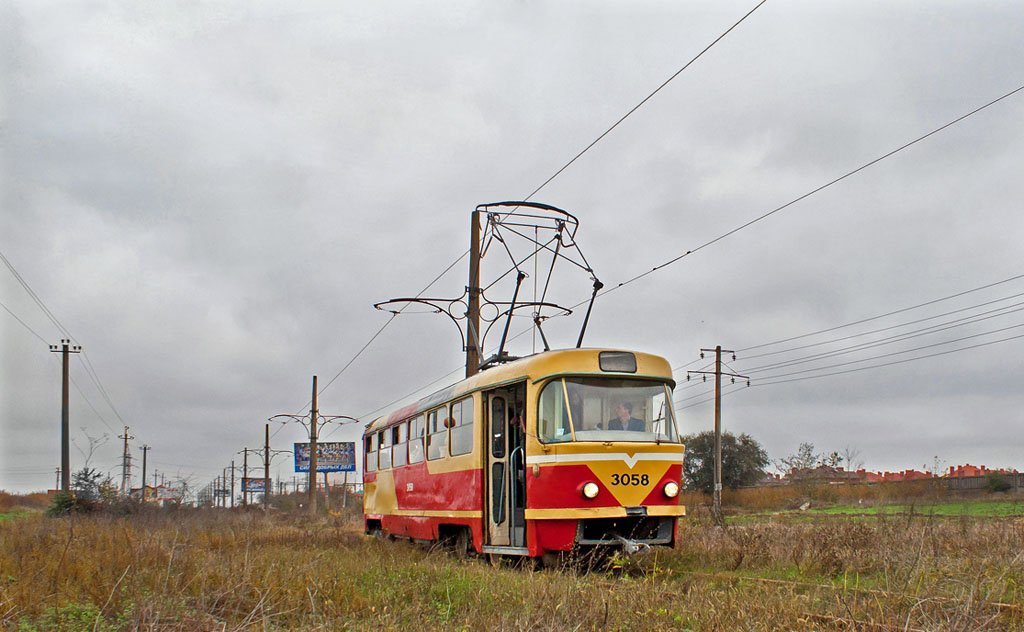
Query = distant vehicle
x=563 y=451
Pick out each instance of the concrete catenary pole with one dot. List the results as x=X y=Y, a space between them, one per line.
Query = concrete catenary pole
x=142 y=492
x=312 y=452
x=473 y=300
x=266 y=470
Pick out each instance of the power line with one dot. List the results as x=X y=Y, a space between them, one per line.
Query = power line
x=877 y=366
x=893 y=313
x=927 y=331
x=38 y=301
x=91 y=372
x=891 y=327
x=895 y=353
x=79 y=389
x=53 y=319
x=32 y=331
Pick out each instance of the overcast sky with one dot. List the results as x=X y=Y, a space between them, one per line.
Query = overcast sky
x=211 y=196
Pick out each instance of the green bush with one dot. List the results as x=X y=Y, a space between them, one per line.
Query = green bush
x=997 y=483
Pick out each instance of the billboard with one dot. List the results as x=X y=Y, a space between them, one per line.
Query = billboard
x=338 y=456
x=250 y=484
x=169 y=494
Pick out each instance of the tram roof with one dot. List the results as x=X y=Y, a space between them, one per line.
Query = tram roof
x=533 y=368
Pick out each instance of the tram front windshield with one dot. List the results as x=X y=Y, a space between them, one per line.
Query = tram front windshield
x=606 y=409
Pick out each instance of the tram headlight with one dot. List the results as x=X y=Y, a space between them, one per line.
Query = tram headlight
x=590 y=490
x=671 y=489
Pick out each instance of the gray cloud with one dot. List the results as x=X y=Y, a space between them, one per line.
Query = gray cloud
x=212 y=197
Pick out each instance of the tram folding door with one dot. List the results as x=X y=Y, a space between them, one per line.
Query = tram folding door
x=506 y=468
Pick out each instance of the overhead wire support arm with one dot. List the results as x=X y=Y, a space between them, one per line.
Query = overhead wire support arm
x=554 y=235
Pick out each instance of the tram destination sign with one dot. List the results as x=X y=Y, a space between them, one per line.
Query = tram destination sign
x=337 y=456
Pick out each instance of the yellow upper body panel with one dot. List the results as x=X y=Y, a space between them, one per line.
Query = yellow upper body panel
x=533 y=369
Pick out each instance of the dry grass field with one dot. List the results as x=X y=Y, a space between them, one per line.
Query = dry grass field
x=232 y=570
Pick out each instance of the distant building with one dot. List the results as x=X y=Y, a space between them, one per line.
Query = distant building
x=967 y=469
x=824 y=474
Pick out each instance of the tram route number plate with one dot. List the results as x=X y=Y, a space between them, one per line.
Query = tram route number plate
x=630 y=479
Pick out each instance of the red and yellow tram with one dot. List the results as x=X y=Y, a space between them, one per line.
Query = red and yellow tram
x=557 y=451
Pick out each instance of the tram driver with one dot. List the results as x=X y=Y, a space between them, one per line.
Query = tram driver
x=624 y=419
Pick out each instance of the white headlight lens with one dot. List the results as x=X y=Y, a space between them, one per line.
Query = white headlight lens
x=590 y=490
x=671 y=489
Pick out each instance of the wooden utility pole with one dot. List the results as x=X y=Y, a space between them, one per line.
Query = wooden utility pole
x=65 y=435
x=126 y=463
x=233 y=484
x=312 y=453
x=473 y=300
x=142 y=492
x=716 y=498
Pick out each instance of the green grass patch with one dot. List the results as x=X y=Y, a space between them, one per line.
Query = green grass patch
x=976 y=508
x=16 y=513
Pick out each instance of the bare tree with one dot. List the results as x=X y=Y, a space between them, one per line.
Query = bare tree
x=94 y=444
x=851 y=456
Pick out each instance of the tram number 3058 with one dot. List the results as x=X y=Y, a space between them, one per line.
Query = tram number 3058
x=630 y=479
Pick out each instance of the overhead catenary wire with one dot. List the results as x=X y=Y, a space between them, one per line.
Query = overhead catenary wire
x=828 y=184
x=564 y=167
x=800 y=198
x=645 y=100
x=794 y=201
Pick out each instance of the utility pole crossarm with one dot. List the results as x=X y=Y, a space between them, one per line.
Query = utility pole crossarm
x=719 y=372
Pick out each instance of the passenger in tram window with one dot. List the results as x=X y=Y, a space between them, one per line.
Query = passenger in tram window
x=624 y=419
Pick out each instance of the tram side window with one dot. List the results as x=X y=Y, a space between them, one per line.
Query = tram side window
x=384 y=437
x=371 y=453
x=416 y=439
x=437 y=433
x=462 y=426
x=400 y=437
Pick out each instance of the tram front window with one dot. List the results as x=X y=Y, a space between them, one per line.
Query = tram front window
x=606 y=409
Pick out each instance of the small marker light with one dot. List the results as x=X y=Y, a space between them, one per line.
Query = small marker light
x=590 y=490
x=671 y=489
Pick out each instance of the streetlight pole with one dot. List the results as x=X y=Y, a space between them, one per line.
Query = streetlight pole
x=314 y=415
